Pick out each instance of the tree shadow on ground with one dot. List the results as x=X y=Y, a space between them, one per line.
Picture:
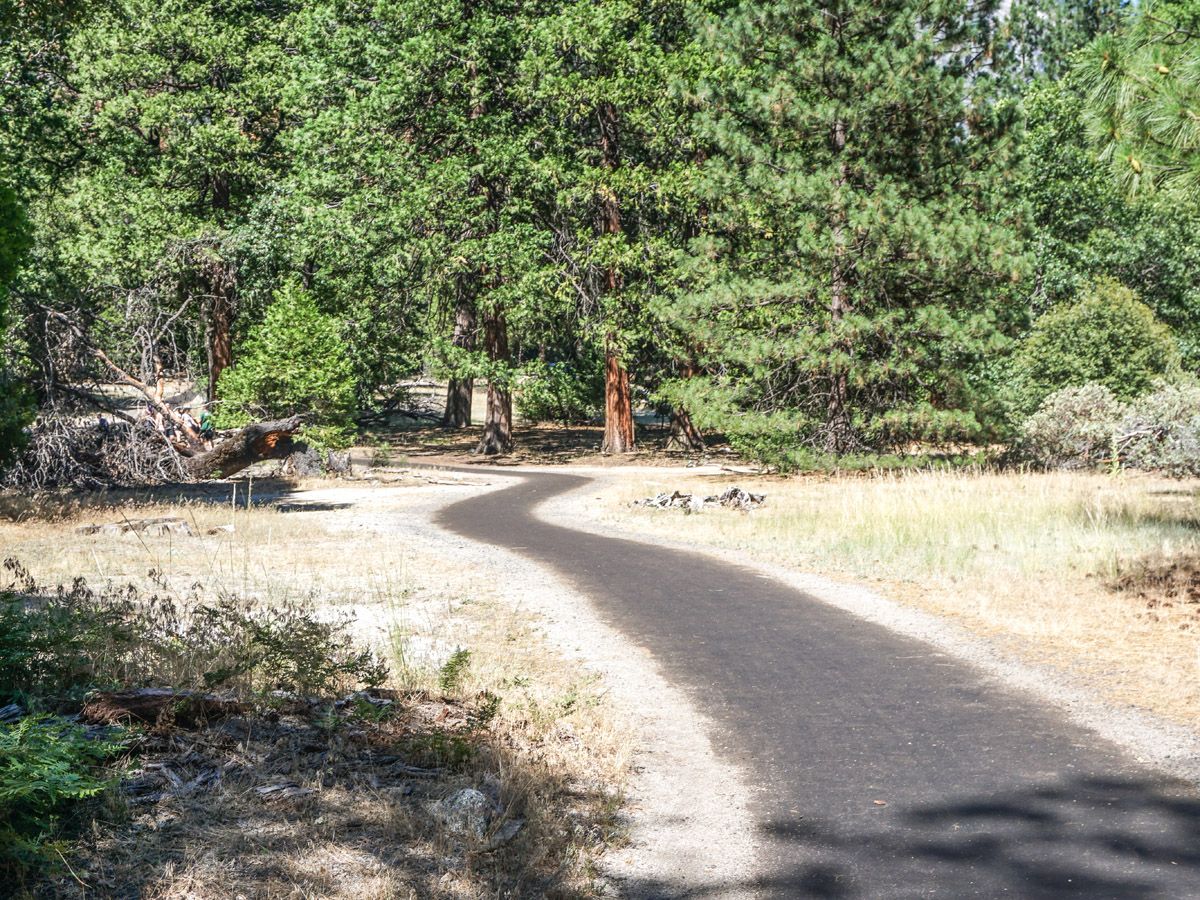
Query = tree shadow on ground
x=1110 y=838
x=239 y=493
x=325 y=805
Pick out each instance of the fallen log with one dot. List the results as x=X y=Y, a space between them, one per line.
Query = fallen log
x=156 y=706
x=262 y=440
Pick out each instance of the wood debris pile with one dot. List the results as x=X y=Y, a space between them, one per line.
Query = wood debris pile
x=731 y=498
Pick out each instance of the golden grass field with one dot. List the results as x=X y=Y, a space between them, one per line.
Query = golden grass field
x=1097 y=574
x=554 y=747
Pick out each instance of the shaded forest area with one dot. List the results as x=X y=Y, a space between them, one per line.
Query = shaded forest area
x=826 y=231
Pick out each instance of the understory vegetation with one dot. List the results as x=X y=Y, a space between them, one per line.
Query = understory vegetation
x=187 y=718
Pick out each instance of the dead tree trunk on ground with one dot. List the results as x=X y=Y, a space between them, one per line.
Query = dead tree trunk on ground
x=264 y=440
x=497 y=427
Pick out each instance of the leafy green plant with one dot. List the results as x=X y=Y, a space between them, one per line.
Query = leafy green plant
x=454 y=670
x=294 y=362
x=560 y=392
x=46 y=766
x=1109 y=338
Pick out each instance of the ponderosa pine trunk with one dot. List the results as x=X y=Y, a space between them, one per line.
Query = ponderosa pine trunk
x=460 y=390
x=618 y=405
x=497 y=425
x=220 y=341
x=221 y=278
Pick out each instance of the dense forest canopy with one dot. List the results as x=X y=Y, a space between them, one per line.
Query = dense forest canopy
x=817 y=228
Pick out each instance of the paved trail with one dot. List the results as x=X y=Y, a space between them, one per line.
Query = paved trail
x=884 y=768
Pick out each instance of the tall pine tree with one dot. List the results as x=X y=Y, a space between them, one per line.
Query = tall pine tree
x=848 y=283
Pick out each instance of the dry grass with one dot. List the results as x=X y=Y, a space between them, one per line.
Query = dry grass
x=1089 y=572
x=553 y=750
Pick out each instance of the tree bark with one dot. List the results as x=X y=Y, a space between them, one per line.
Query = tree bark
x=839 y=433
x=220 y=342
x=618 y=407
x=497 y=426
x=460 y=390
x=263 y=440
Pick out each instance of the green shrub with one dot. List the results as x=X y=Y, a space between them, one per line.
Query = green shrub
x=1089 y=427
x=1074 y=428
x=560 y=392
x=46 y=766
x=295 y=362
x=1109 y=338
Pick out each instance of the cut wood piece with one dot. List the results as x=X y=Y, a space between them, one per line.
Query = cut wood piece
x=263 y=440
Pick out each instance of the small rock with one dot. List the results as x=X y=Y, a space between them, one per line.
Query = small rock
x=505 y=833
x=467 y=813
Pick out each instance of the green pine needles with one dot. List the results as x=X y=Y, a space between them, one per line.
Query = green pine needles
x=855 y=267
x=295 y=362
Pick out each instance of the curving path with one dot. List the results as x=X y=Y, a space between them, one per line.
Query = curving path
x=883 y=768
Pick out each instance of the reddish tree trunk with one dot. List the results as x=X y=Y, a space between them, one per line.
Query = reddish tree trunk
x=220 y=342
x=618 y=407
x=497 y=426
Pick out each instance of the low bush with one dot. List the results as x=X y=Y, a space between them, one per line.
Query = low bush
x=1088 y=426
x=1161 y=431
x=1074 y=428
x=56 y=645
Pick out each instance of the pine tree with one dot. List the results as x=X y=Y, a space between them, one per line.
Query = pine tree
x=849 y=280
x=1143 y=90
x=173 y=112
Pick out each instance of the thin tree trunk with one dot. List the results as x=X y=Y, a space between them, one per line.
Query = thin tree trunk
x=839 y=433
x=497 y=426
x=618 y=407
x=461 y=390
x=220 y=341
x=222 y=285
